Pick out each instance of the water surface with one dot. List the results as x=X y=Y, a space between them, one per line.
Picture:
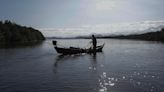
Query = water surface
x=123 y=66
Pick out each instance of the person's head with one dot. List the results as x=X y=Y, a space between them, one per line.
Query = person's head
x=93 y=36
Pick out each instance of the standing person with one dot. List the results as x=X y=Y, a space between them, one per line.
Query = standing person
x=94 y=41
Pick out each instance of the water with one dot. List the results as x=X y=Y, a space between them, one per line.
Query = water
x=124 y=66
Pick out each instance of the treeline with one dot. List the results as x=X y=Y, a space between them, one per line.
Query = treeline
x=11 y=32
x=150 y=36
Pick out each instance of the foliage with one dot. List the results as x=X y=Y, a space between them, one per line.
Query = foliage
x=11 y=32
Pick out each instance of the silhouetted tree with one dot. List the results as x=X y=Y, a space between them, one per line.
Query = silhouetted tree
x=11 y=32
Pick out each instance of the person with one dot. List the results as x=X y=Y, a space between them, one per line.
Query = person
x=94 y=42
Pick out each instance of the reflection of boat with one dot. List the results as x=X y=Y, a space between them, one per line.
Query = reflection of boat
x=74 y=50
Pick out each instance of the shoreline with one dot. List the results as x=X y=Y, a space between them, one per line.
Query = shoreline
x=149 y=36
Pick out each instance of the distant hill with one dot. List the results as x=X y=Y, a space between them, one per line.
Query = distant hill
x=13 y=33
x=150 y=36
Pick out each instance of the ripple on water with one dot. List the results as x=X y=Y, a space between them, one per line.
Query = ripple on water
x=105 y=82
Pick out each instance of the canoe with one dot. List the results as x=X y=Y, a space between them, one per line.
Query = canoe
x=74 y=50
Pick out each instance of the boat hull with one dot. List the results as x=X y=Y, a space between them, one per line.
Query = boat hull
x=78 y=50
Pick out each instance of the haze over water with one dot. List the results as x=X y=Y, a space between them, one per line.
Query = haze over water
x=123 y=66
x=105 y=29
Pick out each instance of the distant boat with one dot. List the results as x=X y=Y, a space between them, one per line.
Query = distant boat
x=75 y=50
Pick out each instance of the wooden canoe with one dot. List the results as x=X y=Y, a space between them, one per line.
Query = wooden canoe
x=74 y=50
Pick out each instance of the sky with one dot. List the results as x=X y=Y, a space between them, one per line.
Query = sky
x=73 y=13
x=47 y=14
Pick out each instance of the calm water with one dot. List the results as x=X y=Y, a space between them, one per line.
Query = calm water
x=124 y=66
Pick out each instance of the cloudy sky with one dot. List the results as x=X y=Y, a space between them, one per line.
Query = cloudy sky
x=74 y=13
x=79 y=17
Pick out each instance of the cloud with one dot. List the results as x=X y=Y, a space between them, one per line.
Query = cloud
x=103 y=5
x=105 y=29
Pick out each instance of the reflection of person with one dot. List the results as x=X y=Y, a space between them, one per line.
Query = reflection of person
x=94 y=42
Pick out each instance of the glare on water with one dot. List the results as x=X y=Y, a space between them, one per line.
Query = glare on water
x=123 y=66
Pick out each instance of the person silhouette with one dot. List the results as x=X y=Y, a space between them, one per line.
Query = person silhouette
x=94 y=42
